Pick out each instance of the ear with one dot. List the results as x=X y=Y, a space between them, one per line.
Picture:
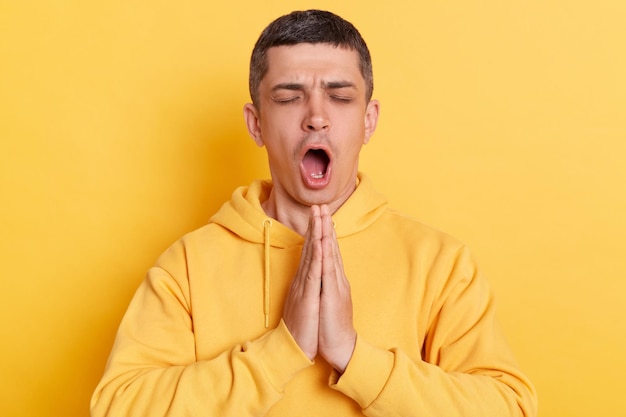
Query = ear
x=253 y=123
x=371 y=119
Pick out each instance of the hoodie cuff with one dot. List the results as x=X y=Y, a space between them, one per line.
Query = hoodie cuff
x=280 y=356
x=366 y=373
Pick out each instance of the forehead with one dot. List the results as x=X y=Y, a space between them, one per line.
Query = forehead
x=302 y=61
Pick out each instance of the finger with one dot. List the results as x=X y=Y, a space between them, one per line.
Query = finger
x=314 y=234
x=315 y=220
x=313 y=266
x=301 y=312
x=314 y=271
x=307 y=241
x=329 y=248
x=337 y=251
x=329 y=230
x=307 y=247
x=333 y=270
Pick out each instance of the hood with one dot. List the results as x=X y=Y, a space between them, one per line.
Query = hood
x=244 y=216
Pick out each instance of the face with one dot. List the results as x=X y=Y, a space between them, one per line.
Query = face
x=313 y=120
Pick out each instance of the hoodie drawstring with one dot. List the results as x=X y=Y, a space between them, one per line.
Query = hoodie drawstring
x=267 y=224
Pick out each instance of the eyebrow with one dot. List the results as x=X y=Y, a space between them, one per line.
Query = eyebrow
x=328 y=85
x=288 y=86
x=332 y=85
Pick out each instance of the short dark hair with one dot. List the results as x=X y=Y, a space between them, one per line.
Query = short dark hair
x=310 y=26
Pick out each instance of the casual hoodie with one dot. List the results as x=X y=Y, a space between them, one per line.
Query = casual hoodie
x=204 y=336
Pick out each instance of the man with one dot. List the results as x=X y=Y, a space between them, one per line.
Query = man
x=307 y=295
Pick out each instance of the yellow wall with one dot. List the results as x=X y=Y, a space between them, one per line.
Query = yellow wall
x=503 y=123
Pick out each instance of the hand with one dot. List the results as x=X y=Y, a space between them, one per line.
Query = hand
x=337 y=336
x=302 y=305
x=318 y=308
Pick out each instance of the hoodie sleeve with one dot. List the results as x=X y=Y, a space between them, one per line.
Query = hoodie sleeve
x=153 y=371
x=466 y=369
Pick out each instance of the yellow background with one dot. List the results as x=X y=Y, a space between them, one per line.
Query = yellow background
x=503 y=123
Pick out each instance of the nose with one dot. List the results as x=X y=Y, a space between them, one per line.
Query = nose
x=316 y=117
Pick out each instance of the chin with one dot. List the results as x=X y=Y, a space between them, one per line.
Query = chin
x=324 y=196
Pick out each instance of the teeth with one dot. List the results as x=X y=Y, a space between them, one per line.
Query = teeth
x=317 y=176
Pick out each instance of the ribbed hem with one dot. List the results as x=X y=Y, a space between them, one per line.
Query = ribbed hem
x=280 y=356
x=366 y=373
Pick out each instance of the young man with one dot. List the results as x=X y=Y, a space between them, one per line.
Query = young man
x=307 y=295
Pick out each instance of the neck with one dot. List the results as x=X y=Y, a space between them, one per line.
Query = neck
x=296 y=219
x=292 y=213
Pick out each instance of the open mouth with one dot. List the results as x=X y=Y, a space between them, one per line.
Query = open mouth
x=315 y=163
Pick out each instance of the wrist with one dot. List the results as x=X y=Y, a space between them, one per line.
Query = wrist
x=340 y=356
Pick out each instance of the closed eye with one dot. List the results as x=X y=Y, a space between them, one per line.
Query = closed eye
x=286 y=100
x=341 y=99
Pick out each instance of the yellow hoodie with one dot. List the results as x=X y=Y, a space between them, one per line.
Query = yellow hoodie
x=203 y=335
